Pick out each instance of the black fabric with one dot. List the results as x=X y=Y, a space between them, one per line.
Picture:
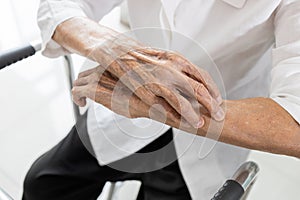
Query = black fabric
x=69 y=172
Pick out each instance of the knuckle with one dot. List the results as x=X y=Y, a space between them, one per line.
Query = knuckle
x=75 y=82
x=95 y=77
x=155 y=87
x=184 y=112
x=81 y=74
x=201 y=90
x=74 y=90
x=203 y=73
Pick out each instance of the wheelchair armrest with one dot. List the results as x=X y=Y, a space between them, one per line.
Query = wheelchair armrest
x=234 y=188
x=11 y=56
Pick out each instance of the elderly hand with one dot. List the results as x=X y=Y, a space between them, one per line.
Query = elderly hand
x=150 y=77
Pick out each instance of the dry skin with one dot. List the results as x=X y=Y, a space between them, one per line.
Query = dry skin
x=166 y=87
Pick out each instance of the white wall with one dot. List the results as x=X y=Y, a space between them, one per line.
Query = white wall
x=35 y=106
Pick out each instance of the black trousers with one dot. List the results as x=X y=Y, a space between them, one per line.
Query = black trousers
x=69 y=172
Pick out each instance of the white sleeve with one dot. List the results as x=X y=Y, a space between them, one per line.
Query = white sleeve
x=285 y=87
x=53 y=12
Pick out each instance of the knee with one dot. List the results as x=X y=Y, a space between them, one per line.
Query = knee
x=33 y=183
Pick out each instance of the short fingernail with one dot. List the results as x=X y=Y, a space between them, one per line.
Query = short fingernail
x=219 y=100
x=220 y=115
x=200 y=123
x=81 y=104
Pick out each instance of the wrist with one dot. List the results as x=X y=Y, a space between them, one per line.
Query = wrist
x=81 y=35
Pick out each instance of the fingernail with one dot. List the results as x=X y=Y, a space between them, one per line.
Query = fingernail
x=220 y=115
x=200 y=123
x=219 y=100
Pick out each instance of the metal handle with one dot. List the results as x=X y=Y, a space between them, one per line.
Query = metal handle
x=14 y=55
x=241 y=181
x=246 y=174
x=71 y=75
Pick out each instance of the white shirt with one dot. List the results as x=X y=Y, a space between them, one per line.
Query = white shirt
x=255 y=45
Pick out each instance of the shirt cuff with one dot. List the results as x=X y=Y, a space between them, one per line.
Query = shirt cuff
x=285 y=86
x=293 y=108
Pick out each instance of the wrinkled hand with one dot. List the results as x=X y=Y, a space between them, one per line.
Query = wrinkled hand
x=150 y=77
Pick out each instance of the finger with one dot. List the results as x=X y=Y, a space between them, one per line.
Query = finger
x=147 y=95
x=82 y=81
x=78 y=97
x=87 y=72
x=95 y=92
x=81 y=102
x=202 y=76
x=201 y=94
x=91 y=78
x=160 y=111
x=209 y=83
x=168 y=115
x=185 y=66
x=197 y=74
x=151 y=99
x=179 y=103
x=87 y=91
x=172 y=117
x=138 y=108
x=105 y=78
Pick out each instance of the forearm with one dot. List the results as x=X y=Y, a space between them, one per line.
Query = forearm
x=260 y=124
x=81 y=35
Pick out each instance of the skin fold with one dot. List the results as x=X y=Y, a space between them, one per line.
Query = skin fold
x=149 y=73
x=137 y=81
